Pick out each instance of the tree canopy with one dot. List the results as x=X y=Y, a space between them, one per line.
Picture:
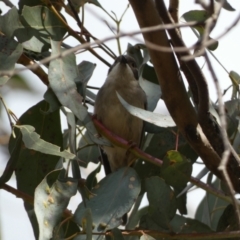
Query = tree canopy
x=49 y=157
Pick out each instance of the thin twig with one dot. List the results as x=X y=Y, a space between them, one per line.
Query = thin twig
x=8 y=113
x=96 y=42
x=227 y=149
x=120 y=142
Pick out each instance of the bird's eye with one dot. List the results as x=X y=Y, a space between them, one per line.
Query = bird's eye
x=133 y=64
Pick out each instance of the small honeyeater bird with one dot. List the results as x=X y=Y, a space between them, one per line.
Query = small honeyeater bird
x=122 y=78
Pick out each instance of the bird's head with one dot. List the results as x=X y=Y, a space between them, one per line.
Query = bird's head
x=125 y=66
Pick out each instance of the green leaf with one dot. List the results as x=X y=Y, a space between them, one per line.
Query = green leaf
x=12 y=162
x=147 y=76
x=226 y=5
x=176 y=169
x=10 y=51
x=91 y=180
x=235 y=78
x=39 y=24
x=33 y=141
x=112 y=198
x=85 y=69
x=196 y=15
x=50 y=200
x=212 y=206
x=62 y=75
x=87 y=150
x=51 y=98
x=180 y=224
x=153 y=92
x=200 y=16
x=135 y=52
x=154 y=118
x=33 y=166
x=162 y=201
x=232 y=112
x=72 y=131
x=9 y=22
x=228 y=220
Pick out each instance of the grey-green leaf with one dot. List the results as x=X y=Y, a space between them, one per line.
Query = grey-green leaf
x=50 y=200
x=33 y=141
x=62 y=75
x=154 y=118
x=112 y=197
x=162 y=202
x=10 y=51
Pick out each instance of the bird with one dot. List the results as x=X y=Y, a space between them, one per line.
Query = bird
x=122 y=78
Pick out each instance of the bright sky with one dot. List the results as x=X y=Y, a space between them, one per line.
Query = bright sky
x=12 y=211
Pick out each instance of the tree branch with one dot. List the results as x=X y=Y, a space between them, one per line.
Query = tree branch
x=174 y=92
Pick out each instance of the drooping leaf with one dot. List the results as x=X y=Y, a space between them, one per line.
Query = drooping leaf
x=162 y=201
x=154 y=118
x=50 y=200
x=112 y=198
x=62 y=75
x=33 y=166
x=10 y=51
x=227 y=5
x=33 y=141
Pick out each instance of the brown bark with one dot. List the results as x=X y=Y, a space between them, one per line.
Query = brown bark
x=174 y=92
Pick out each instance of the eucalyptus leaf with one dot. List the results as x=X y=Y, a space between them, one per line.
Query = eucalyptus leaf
x=32 y=166
x=162 y=201
x=85 y=69
x=177 y=165
x=180 y=224
x=226 y=5
x=200 y=16
x=9 y=22
x=215 y=209
x=39 y=24
x=111 y=198
x=154 y=118
x=235 y=78
x=62 y=75
x=33 y=141
x=51 y=98
x=153 y=92
x=50 y=200
x=10 y=51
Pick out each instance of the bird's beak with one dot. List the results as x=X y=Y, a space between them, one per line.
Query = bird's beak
x=123 y=60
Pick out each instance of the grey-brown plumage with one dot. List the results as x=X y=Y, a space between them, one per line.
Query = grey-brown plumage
x=122 y=78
